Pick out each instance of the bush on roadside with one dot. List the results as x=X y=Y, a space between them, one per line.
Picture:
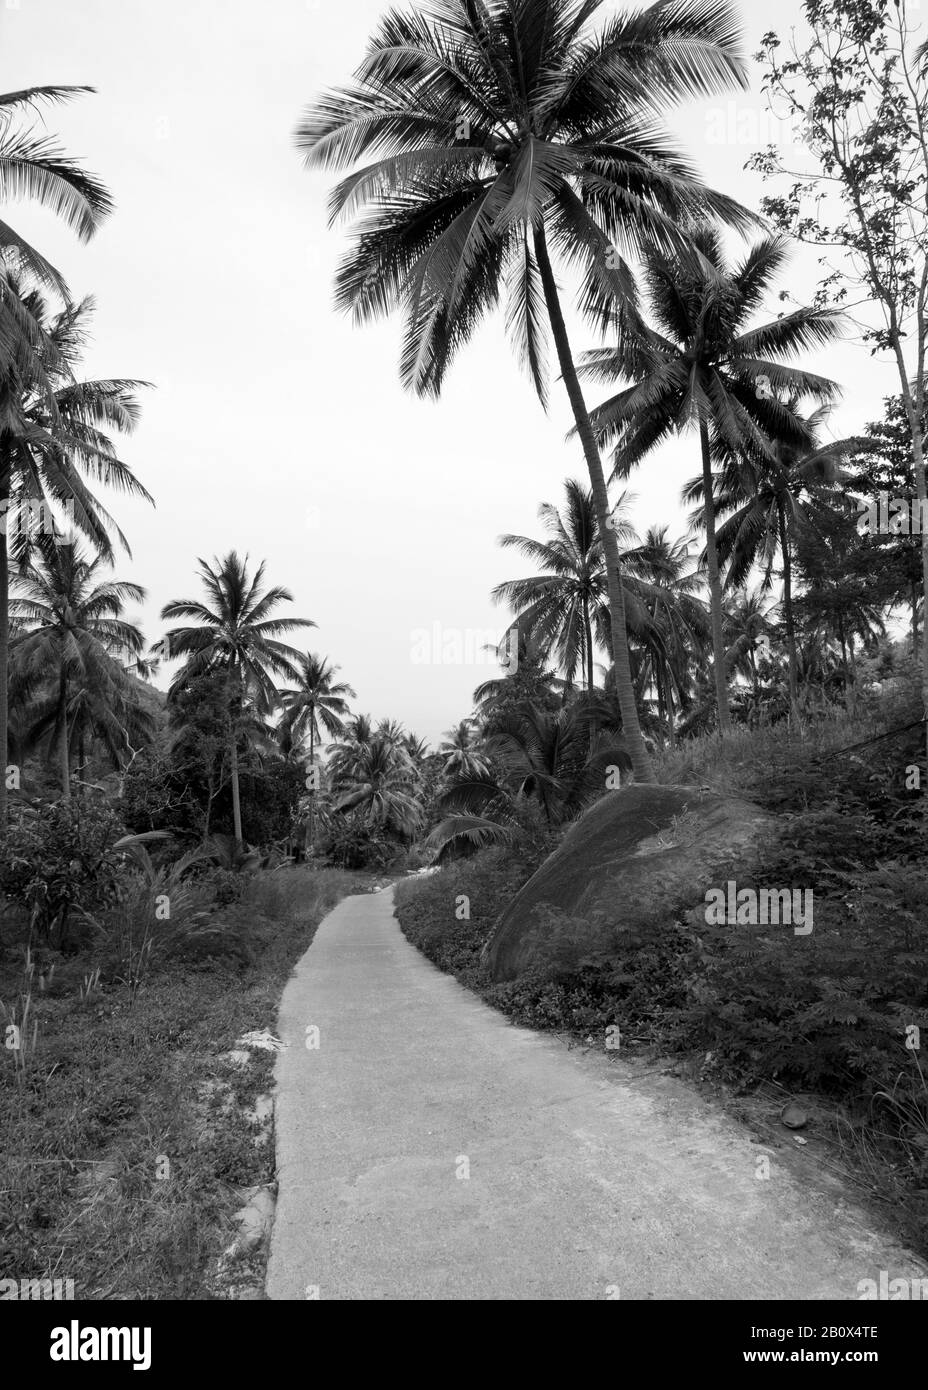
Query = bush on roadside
x=58 y=864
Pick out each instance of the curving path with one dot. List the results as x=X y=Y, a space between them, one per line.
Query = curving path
x=584 y=1182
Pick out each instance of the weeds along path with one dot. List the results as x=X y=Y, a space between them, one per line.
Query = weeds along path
x=428 y=1149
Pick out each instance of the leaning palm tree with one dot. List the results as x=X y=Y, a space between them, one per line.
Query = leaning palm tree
x=770 y=503
x=234 y=631
x=704 y=366
x=507 y=135
x=55 y=433
x=318 y=702
x=74 y=638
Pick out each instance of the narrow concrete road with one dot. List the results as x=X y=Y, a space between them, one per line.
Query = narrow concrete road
x=427 y=1149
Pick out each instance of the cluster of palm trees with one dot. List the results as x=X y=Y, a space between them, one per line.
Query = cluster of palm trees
x=561 y=610
x=495 y=147
x=372 y=778
x=55 y=442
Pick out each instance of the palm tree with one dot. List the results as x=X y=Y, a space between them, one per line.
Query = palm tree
x=417 y=748
x=749 y=629
x=679 y=623
x=75 y=640
x=545 y=758
x=346 y=756
x=318 y=700
x=704 y=366
x=236 y=634
x=771 y=502
x=504 y=131
x=379 y=788
x=462 y=751
x=54 y=431
x=392 y=730
x=565 y=608
x=33 y=166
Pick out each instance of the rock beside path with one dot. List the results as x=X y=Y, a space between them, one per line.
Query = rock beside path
x=632 y=850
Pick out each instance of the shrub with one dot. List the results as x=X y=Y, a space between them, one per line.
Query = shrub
x=349 y=843
x=59 y=864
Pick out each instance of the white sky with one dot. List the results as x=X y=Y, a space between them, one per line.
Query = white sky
x=276 y=427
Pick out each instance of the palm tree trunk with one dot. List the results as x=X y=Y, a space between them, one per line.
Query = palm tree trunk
x=236 y=714
x=81 y=765
x=843 y=640
x=672 y=733
x=914 y=592
x=631 y=727
x=715 y=586
x=311 y=824
x=4 y=637
x=588 y=632
x=64 y=761
x=210 y=797
x=755 y=682
x=788 y=611
x=236 y=798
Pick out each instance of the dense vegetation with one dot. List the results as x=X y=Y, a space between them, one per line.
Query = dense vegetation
x=827 y=1017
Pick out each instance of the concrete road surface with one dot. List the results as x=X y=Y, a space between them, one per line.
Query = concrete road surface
x=427 y=1149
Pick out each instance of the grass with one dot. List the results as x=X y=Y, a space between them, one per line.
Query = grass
x=125 y=1131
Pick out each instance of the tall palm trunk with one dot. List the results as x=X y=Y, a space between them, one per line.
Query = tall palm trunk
x=659 y=688
x=237 y=702
x=236 y=798
x=671 y=731
x=788 y=611
x=64 y=761
x=311 y=823
x=631 y=727
x=588 y=636
x=715 y=586
x=81 y=761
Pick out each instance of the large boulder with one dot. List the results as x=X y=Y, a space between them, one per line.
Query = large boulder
x=634 y=842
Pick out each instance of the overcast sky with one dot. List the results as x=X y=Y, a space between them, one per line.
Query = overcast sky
x=276 y=428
